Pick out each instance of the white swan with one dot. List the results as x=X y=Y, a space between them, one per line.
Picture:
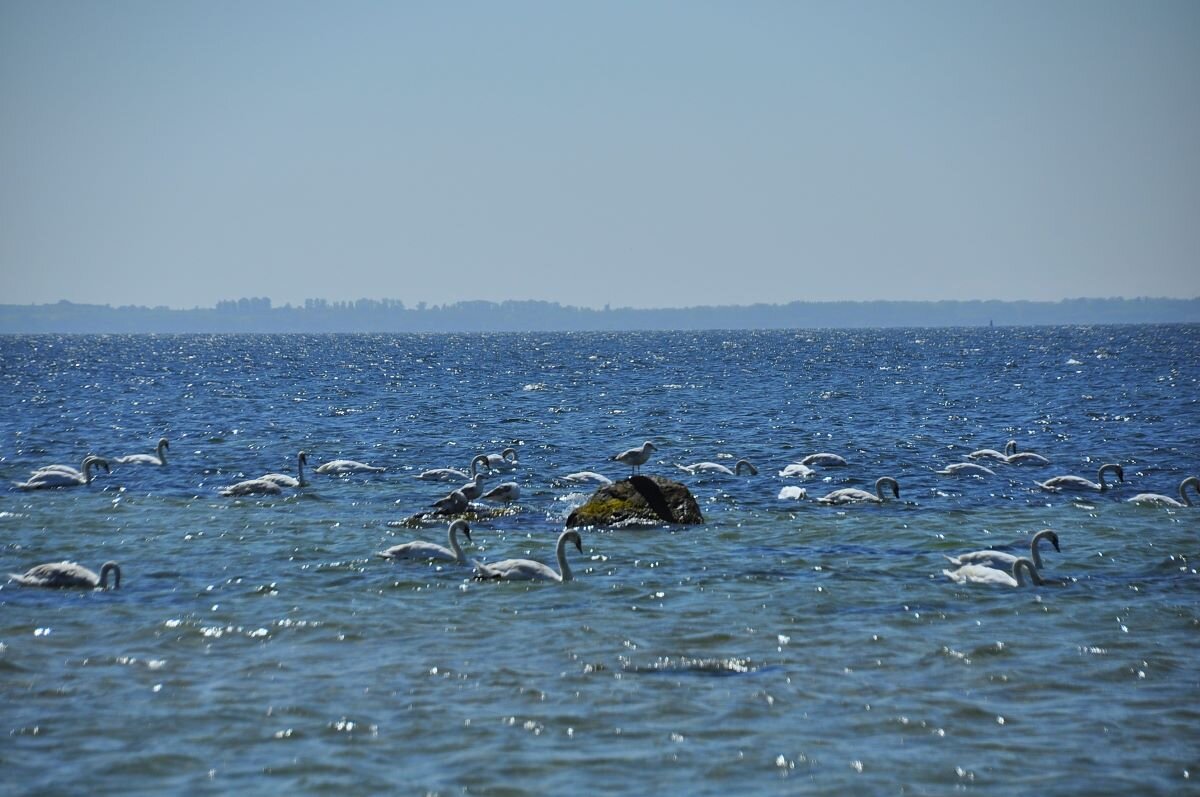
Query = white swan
x=978 y=574
x=505 y=491
x=966 y=469
x=529 y=570
x=283 y=480
x=505 y=461
x=796 y=470
x=1004 y=561
x=716 y=467
x=252 y=487
x=78 y=472
x=48 y=479
x=158 y=458
x=635 y=457
x=1015 y=457
x=793 y=493
x=68 y=575
x=338 y=466
x=853 y=495
x=824 y=460
x=1060 y=483
x=586 y=477
x=453 y=474
x=1154 y=499
x=990 y=453
x=431 y=550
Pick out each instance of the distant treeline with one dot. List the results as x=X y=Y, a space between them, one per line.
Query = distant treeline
x=389 y=315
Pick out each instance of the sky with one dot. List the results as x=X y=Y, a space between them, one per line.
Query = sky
x=629 y=153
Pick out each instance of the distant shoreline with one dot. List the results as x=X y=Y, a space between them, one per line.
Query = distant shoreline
x=377 y=316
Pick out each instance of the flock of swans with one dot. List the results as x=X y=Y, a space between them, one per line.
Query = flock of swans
x=977 y=567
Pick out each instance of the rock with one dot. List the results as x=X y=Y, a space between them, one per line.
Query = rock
x=652 y=499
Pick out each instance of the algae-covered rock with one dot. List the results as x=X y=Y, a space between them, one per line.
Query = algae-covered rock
x=652 y=499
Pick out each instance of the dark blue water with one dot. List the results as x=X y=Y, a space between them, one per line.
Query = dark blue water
x=784 y=646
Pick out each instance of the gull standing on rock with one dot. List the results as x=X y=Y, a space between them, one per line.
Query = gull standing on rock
x=635 y=457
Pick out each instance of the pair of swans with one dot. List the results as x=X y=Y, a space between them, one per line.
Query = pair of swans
x=635 y=457
x=1156 y=499
x=159 y=457
x=716 y=467
x=853 y=495
x=1078 y=483
x=64 y=476
x=1010 y=455
x=529 y=570
x=431 y=550
x=1003 y=560
x=68 y=575
x=979 y=574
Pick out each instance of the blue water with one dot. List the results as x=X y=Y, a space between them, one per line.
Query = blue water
x=782 y=647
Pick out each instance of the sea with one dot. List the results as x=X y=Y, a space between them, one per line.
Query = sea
x=257 y=645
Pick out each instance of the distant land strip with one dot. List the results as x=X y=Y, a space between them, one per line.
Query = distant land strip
x=257 y=315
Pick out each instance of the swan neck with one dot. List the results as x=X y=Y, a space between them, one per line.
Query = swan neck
x=1183 y=493
x=459 y=556
x=560 y=551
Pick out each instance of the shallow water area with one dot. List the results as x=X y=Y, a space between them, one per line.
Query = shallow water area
x=259 y=643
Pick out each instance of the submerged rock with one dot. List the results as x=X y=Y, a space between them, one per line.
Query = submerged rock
x=648 y=499
x=473 y=514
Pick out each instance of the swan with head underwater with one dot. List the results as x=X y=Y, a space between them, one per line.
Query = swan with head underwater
x=966 y=469
x=340 y=466
x=853 y=495
x=50 y=478
x=978 y=574
x=419 y=549
x=453 y=474
x=68 y=575
x=283 y=480
x=587 y=477
x=990 y=453
x=716 y=467
x=157 y=458
x=1155 y=499
x=1003 y=560
x=529 y=570
x=1060 y=483
x=824 y=460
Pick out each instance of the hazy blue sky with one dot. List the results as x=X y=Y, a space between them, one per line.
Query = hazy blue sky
x=641 y=154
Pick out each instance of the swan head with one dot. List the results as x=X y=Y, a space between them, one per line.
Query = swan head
x=509 y=453
x=115 y=569
x=461 y=526
x=480 y=459
x=1051 y=536
x=164 y=443
x=745 y=463
x=572 y=536
x=1010 y=447
x=882 y=480
x=93 y=461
